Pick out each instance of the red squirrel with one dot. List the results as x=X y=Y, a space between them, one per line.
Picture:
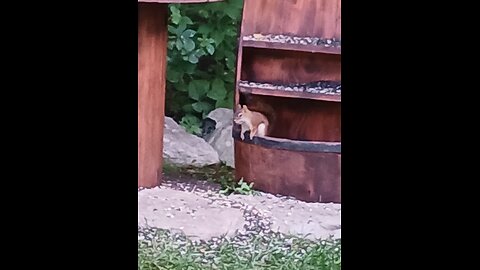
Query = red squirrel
x=254 y=121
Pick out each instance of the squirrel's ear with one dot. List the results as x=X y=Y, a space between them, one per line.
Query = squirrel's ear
x=245 y=108
x=239 y=107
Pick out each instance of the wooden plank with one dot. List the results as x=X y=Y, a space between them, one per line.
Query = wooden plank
x=308 y=176
x=295 y=119
x=290 y=94
x=152 y=53
x=291 y=145
x=314 y=18
x=289 y=67
x=290 y=47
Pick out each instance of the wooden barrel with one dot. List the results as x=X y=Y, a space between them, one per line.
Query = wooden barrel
x=289 y=68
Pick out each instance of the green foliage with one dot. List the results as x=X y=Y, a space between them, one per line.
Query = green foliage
x=238 y=188
x=162 y=249
x=202 y=42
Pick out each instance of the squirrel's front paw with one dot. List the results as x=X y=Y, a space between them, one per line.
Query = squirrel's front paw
x=242 y=136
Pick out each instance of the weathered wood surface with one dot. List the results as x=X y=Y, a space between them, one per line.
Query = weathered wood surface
x=308 y=176
x=312 y=18
x=301 y=157
x=289 y=94
x=152 y=53
x=283 y=67
x=290 y=47
x=291 y=145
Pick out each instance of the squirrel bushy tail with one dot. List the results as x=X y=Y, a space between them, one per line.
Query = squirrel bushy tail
x=259 y=105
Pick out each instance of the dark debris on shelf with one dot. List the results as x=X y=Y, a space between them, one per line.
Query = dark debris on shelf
x=286 y=39
x=318 y=87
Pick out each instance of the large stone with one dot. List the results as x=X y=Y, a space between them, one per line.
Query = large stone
x=182 y=148
x=221 y=138
x=222 y=142
x=222 y=116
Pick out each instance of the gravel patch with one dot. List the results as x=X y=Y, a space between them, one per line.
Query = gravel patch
x=199 y=210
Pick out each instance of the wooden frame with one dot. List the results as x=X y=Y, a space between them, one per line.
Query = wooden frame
x=152 y=55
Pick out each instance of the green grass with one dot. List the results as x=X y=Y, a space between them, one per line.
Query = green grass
x=279 y=252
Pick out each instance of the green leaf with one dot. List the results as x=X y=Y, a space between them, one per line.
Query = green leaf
x=236 y=3
x=174 y=9
x=188 y=45
x=218 y=36
x=188 y=33
x=203 y=13
x=186 y=20
x=232 y=12
x=204 y=29
x=178 y=44
x=225 y=103
x=202 y=85
x=197 y=89
x=230 y=62
x=181 y=86
x=188 y=108
x=189 y=68
x=192 y=59
x=172 y=29
x=202 y=106
x=199 y=53
x=218 y=91
x=191 y=123
x=179 y=30
x=173 y=76
x=190 y=119
x=210 y=49
x=231 y=31
x=176 y=17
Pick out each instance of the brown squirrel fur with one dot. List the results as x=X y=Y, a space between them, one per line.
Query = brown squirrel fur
x=256 y=122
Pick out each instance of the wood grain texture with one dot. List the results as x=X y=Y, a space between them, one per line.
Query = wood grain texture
x=315 y=18
x=312 y=177
x=289 y=94
x=152 y=52
x=296 y=163
x=291 y=145
x=290 y=47
x=299 y=119
x=281 y=67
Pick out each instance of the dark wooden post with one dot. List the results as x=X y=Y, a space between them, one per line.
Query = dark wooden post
x=152 y=55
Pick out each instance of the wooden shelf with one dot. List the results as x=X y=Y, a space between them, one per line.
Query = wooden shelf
x=290 y=47
x=291 y=145
x=290 y=94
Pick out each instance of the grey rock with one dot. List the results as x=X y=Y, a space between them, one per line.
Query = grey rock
x=222 y=116
x=182 y=148
x=221 y=138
